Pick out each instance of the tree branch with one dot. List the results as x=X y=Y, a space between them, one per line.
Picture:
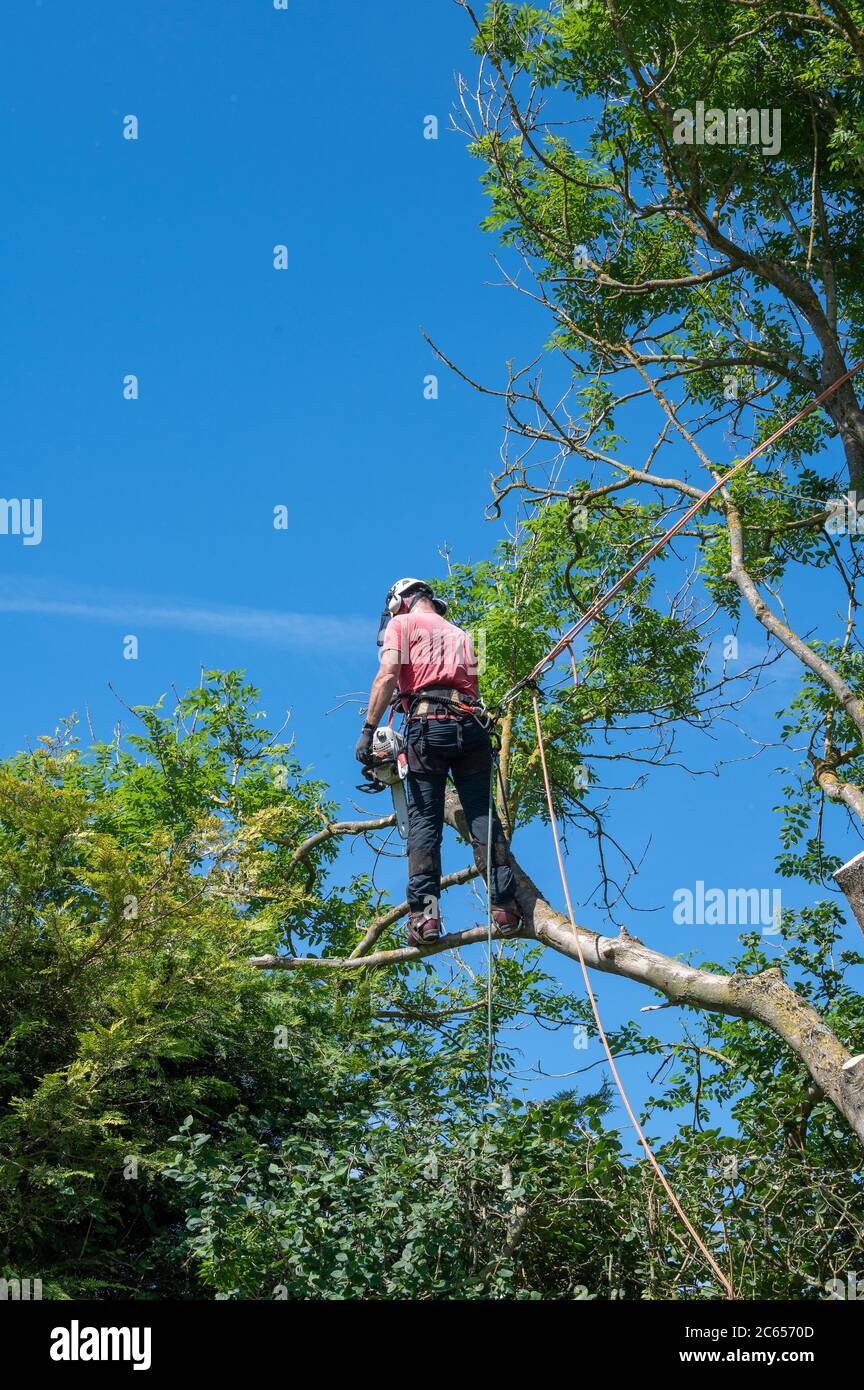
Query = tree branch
x=344 y=827
x=393 y=914
x=764 y=998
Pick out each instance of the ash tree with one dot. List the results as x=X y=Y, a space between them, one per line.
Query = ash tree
x=694 y=296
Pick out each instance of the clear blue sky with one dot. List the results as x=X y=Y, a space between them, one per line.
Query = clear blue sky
x=258 y=387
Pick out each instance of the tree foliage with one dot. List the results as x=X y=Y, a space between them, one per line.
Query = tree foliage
x=173 y=1124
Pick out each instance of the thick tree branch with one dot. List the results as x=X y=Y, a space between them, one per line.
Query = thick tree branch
x=764 y=998
x=849 y=793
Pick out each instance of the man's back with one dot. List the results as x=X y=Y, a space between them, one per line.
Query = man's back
x=446 y=735
x=431 y=651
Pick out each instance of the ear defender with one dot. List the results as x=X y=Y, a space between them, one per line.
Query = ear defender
x=403 y=590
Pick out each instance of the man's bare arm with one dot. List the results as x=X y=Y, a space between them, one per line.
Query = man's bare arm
x=383 y=687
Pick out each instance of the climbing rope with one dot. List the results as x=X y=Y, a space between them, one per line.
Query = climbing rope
x=564 y=643
x=649 y=1154
x=490 y=1037
x=596 y=608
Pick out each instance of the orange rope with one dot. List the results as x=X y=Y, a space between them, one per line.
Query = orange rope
x=597 y=607
x=593 y=611
x=565 y=643
x=618 y=1082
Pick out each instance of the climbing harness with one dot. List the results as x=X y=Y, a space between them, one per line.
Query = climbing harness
x=438 y=701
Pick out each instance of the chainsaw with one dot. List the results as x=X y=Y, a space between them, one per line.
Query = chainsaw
x=388 y=766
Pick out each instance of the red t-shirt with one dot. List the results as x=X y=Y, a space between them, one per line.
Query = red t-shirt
x=431 y=651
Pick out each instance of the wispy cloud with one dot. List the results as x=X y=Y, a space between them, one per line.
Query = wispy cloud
x=306 y=631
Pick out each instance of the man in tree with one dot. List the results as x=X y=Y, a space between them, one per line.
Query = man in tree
x=431 y=664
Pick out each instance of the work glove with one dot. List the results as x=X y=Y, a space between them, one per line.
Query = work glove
x=363 y=751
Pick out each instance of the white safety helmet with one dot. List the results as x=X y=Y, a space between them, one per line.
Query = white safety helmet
x=396 y=596
x=403 y=587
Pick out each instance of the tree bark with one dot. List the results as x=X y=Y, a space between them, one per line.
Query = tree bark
x=850 y=877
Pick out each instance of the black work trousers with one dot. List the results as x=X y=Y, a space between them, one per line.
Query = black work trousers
x=460 y=747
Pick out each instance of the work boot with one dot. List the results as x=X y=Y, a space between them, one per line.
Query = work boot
x=507 y=918
x=423 y=929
